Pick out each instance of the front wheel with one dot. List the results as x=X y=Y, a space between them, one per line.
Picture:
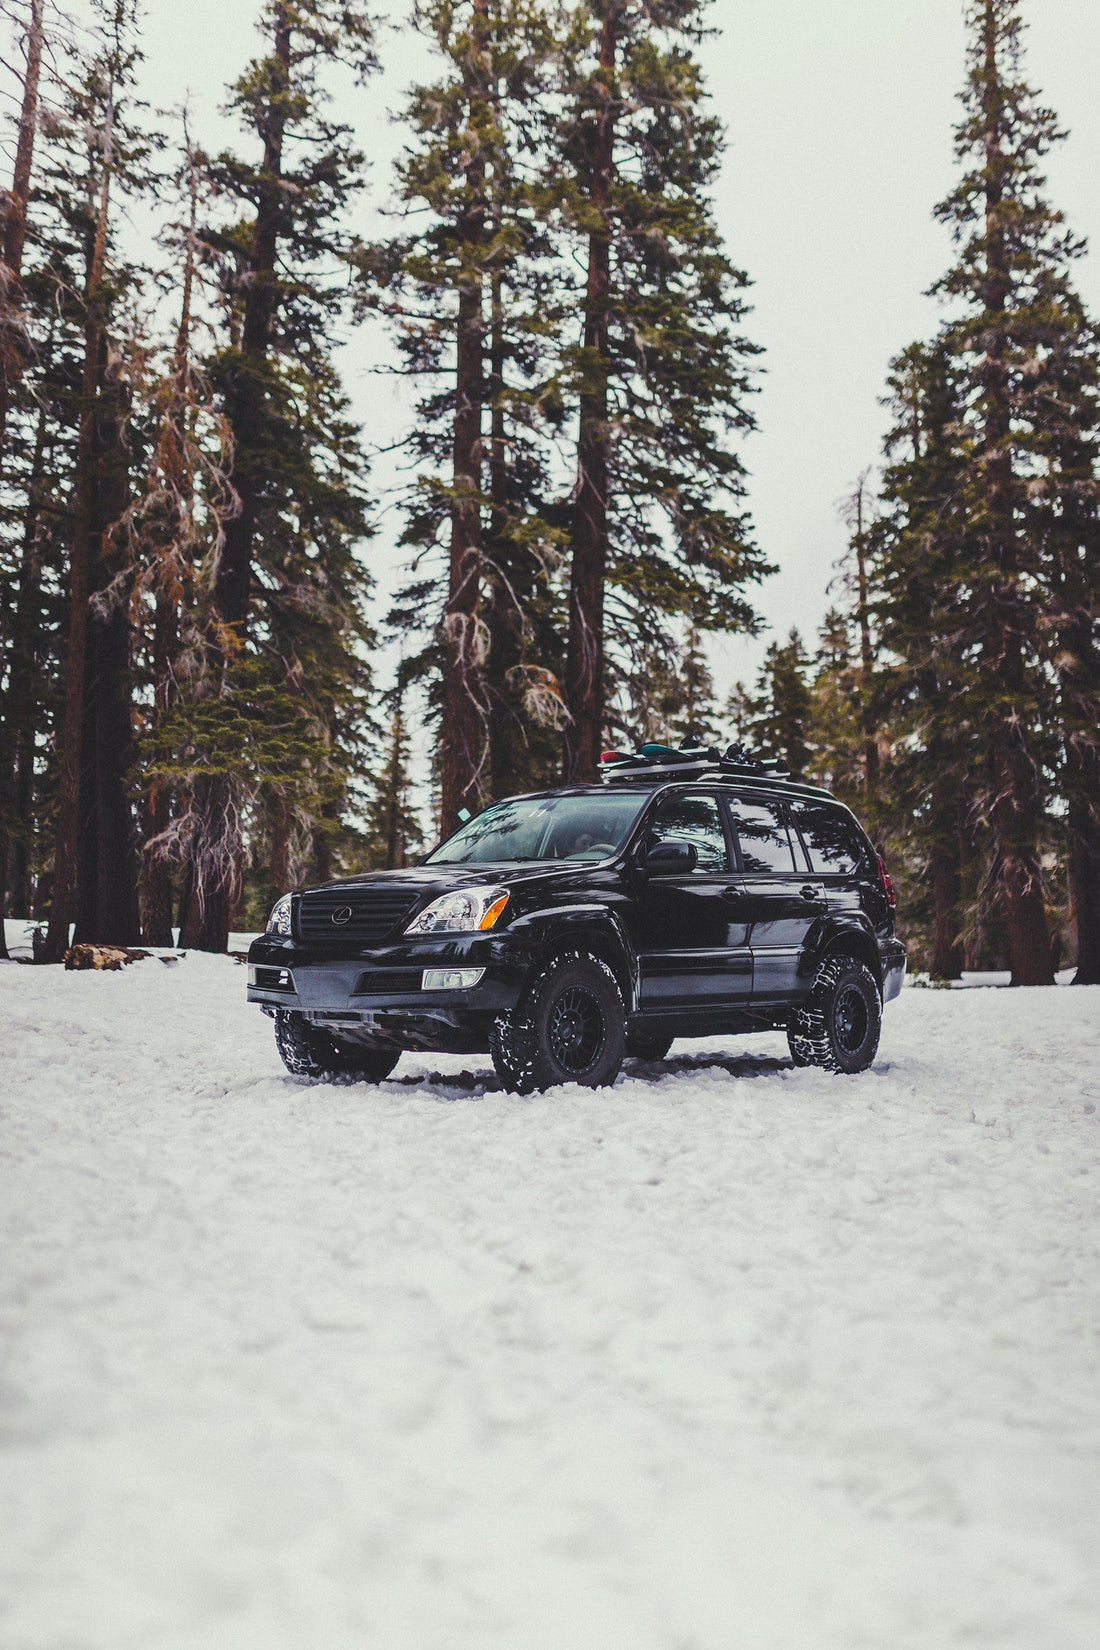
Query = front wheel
x=838 y=1026
x=307 y=1051
x=570 y=1028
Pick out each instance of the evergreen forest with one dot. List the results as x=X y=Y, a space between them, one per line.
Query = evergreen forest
x=208 y=697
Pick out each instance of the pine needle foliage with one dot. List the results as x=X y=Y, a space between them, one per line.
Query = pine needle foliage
x=662 y=375
x=470 y=290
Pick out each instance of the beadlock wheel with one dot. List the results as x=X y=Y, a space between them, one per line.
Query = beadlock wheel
x=308 y=1051
x=576 y=1030
x=838 y=1026
x=570 y=1028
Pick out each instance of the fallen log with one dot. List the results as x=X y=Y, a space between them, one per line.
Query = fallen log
x=111 y=957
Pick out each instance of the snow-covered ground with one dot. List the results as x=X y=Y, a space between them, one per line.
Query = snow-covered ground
x=730 y=1357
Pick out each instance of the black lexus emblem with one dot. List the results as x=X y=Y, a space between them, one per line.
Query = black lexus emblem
x=342 y=915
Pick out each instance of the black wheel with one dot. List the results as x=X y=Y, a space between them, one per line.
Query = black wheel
x=647 y=1045
x=570 y=1028
x=308 y=1051
x=838 y=1025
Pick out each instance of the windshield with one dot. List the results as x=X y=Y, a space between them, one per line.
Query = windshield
x=551 y=827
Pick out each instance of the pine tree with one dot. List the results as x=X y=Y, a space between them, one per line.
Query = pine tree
x=858 y=514
x=14 y=347
x=285 y=589
x=36 y=514
x=923 y=554
x=13 y=217
x=1012 y=285
x=667 y=693
x=470 y=297
x=173 y=532
x=836 y=735
x=393 y=830
x=1063 y=514
x=776 y=717
x=94 y=871
x=661 y=372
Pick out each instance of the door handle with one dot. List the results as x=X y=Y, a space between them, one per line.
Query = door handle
x=732 y=894
x=810 y=892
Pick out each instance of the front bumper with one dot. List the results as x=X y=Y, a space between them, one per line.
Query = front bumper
x=377 y=993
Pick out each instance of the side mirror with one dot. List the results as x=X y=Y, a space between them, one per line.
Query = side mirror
x=671 y=859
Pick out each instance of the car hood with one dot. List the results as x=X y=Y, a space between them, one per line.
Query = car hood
x=423 y=879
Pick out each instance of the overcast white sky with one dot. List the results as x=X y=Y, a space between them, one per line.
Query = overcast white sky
x=839 y=117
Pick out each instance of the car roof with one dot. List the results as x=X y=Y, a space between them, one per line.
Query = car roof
x=649 y=783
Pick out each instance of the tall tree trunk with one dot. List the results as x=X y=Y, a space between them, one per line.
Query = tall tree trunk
x=395 y=836
x=13 y=349
x=584 y=665
x=247 y=402
x=107 y=904
x=67 y=830
x=12 y=339
x=947 y=947
x=172 y=576
x=19 y=715
x=1015 y=809
x=1084 y=870
x=866 y=653
x=281 y=830
x=323 y=866
x=210 y=891
x=1079 y=672
x=462 y=735
x=503 y=617
x=156 y=918
x=216 y=855
x=21 y=861
x=970 y=878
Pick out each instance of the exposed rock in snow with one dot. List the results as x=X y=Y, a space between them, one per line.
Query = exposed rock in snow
x=729 y=1356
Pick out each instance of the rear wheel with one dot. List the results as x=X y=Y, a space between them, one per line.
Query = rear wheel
x=837 y=1027
x=570 y=1028
x=647 y=1045
x=308 y=1051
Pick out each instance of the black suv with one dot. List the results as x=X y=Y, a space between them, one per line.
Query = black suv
x=688 y=894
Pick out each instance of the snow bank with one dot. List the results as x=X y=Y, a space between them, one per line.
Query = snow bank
x=731 y=1357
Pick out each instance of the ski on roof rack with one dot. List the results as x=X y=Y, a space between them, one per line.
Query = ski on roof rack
x=688 y=761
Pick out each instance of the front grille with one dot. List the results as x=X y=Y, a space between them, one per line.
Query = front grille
x=375 y=914
x=387 y=982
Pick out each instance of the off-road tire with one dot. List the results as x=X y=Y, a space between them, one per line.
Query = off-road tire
x=570 y=1027
x=309 y=1051
x=647 y=1045
x=838 y=1025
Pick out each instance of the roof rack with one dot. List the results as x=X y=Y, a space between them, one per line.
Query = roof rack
x=664 y=763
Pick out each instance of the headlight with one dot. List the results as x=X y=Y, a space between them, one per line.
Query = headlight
x=464 y=912
x=279 y=920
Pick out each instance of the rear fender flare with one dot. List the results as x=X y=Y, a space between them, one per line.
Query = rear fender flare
x=840 y=935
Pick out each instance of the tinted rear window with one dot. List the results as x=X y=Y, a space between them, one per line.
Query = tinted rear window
x=765 y=844
x=832 y=840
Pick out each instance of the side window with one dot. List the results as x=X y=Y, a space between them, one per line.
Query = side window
x=692 y=819
x=762 y=833
x=832 y=840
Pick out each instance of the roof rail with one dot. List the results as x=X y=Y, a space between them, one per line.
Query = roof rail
x=663 y=763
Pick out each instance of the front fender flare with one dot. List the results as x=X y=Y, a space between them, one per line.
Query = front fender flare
x=584 y=927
